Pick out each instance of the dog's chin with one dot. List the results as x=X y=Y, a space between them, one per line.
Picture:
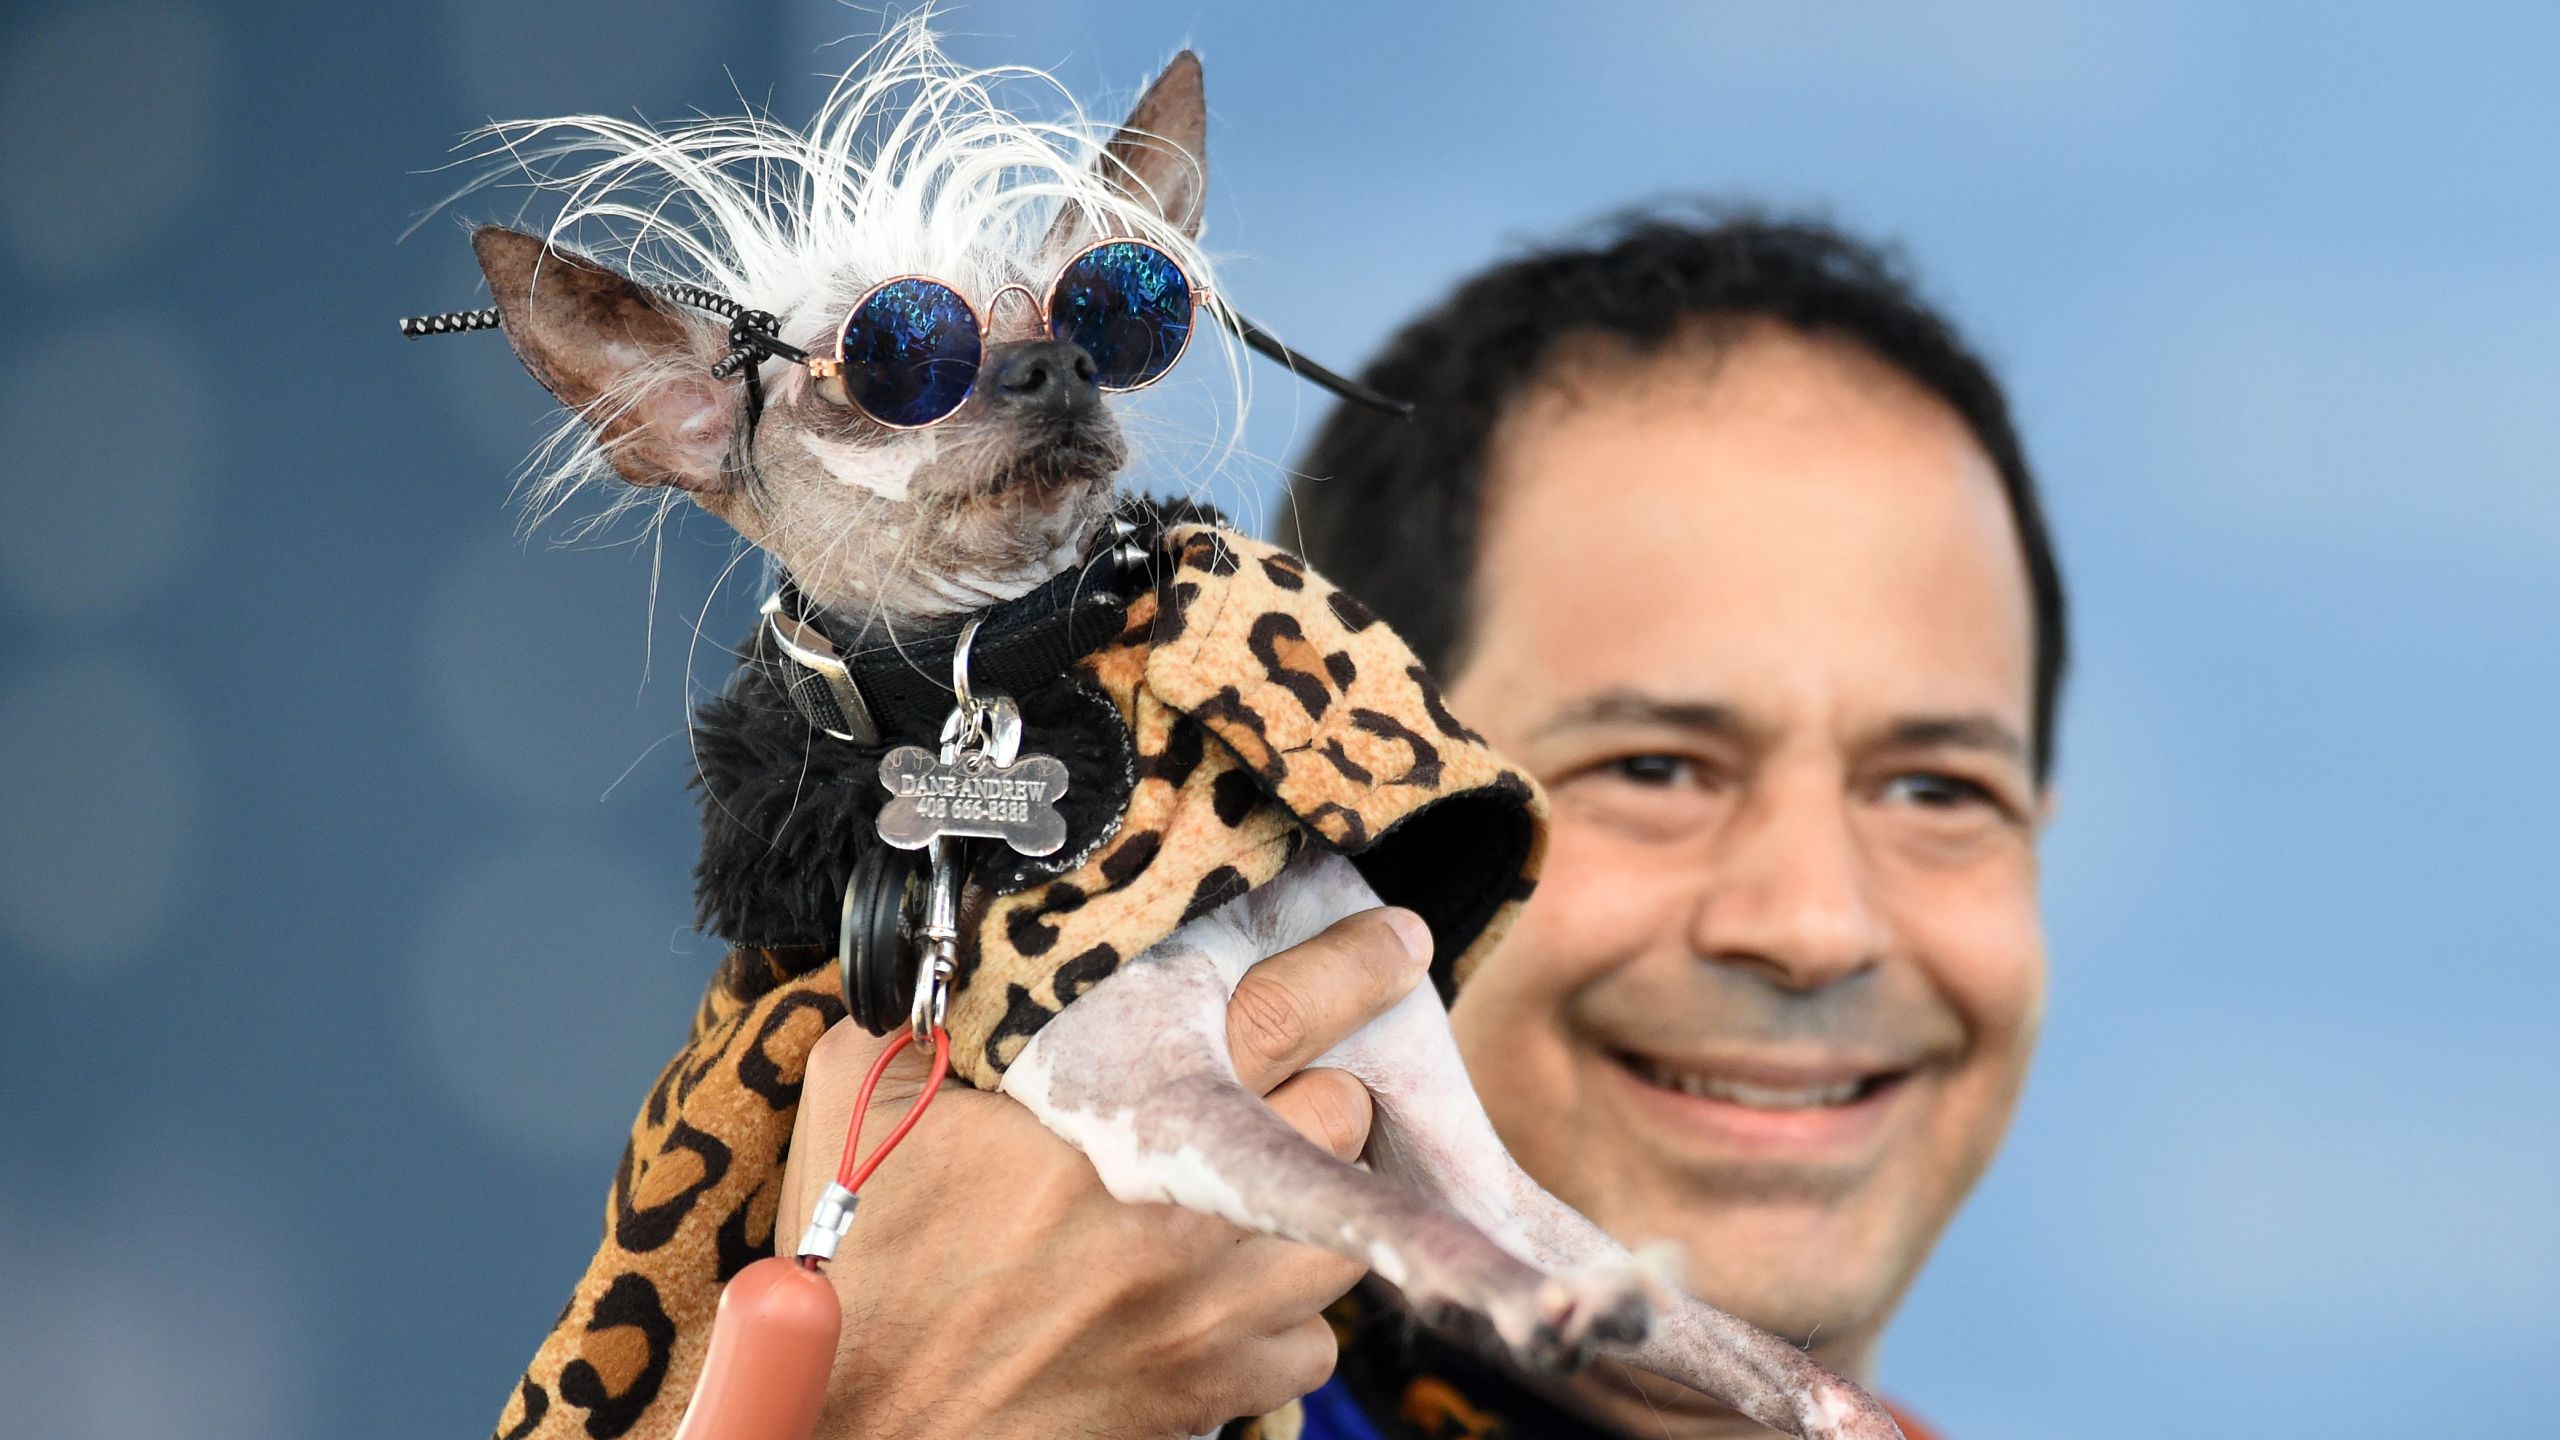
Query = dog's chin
x=1054 y=474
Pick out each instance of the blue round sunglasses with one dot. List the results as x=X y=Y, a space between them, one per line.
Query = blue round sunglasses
x=910 y=351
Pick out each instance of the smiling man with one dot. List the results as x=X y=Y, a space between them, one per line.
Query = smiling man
x=1756 y=583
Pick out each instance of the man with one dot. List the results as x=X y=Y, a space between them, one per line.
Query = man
x=1761 y=593
x=1726 y=538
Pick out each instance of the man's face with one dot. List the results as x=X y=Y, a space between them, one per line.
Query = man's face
x=1761 y=627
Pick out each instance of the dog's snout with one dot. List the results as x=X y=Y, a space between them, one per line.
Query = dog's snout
x=1052 y=376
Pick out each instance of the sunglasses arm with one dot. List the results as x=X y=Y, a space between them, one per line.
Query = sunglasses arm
x=1268 y=344
x=753 y=337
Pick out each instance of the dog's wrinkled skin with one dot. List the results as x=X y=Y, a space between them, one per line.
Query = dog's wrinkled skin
x=886 y=528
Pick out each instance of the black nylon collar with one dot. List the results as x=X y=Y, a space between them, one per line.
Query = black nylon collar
x=904 y=686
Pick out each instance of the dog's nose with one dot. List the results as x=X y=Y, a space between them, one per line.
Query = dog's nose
x=1052 y=377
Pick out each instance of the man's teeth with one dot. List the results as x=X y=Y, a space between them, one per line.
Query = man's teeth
x=1743 y=1092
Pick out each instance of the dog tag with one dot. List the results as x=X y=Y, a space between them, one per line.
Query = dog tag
x=970 y=793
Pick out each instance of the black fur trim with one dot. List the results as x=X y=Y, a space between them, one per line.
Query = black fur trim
x=784 y=806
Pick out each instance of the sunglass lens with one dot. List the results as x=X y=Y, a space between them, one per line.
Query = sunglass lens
x=911 y=352
x=1128 y=306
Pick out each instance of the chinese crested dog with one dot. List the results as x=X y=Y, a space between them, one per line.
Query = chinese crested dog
x=883 y=350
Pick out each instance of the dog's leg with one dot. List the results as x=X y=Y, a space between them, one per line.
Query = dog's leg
x=1431 y=1133
x=1135 y=1073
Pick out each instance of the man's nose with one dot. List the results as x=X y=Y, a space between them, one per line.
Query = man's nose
x=1789 y=893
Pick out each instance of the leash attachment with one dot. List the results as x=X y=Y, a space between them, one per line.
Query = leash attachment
x=941 y=936
x=979 y=783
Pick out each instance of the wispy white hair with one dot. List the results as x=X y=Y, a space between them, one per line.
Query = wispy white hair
x=911 y=166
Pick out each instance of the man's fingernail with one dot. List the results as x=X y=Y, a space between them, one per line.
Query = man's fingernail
x=1410 y=929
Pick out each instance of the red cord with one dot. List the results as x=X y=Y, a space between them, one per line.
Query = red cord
x=847 y=1173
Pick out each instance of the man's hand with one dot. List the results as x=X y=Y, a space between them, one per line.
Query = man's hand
x=991 y=1286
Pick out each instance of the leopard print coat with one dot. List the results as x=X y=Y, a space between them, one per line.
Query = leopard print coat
x=1267 y=710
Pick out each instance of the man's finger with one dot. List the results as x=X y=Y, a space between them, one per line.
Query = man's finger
x=1278 y=1282
x=1280 y=1368
x=1329 y=1107
x=1305 y=1000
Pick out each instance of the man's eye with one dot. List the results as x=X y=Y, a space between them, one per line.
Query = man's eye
x=1936 y=790
x=1658 y=771
x=1648 y=798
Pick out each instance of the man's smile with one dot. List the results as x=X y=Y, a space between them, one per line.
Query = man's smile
x=1826 y=1110
x=1765 y=1087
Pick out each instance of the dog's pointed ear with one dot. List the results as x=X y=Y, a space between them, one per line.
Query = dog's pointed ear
x=1159 y=161
x=638 y=373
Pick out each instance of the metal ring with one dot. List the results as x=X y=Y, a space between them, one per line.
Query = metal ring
x=960 y=668
x=922 y=1005
x=933 y=994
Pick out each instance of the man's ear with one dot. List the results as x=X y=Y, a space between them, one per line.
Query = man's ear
x=1159 y=161
x=640 y=375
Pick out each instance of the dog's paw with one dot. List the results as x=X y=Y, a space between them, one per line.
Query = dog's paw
x=1466 y=1287
x=1576 y=1311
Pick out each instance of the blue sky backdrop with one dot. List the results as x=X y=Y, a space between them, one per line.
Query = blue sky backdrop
x=343 y=845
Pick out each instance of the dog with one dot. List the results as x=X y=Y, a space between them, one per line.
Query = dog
x=887 y=537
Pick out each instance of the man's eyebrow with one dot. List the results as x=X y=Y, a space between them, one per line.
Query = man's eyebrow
x=1634 y=707
x=1958 y=732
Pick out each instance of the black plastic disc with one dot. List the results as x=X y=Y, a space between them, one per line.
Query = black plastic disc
x=883 y=904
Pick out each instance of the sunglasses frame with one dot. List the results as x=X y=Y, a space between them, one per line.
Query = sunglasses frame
x=754 y=338
x=822 y=367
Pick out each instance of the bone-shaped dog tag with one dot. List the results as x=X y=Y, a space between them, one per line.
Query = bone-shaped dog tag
x=971 y=794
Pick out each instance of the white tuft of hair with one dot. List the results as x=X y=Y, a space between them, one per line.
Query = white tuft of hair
x=911 y=166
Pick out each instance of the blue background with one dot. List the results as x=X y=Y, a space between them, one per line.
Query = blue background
x=344 y=912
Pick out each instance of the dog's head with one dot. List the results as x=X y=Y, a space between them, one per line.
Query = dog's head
x=909 y=170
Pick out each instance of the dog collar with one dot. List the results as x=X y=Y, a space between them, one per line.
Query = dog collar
x=899 y=689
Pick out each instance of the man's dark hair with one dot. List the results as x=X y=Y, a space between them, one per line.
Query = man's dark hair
x=1380 y=502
